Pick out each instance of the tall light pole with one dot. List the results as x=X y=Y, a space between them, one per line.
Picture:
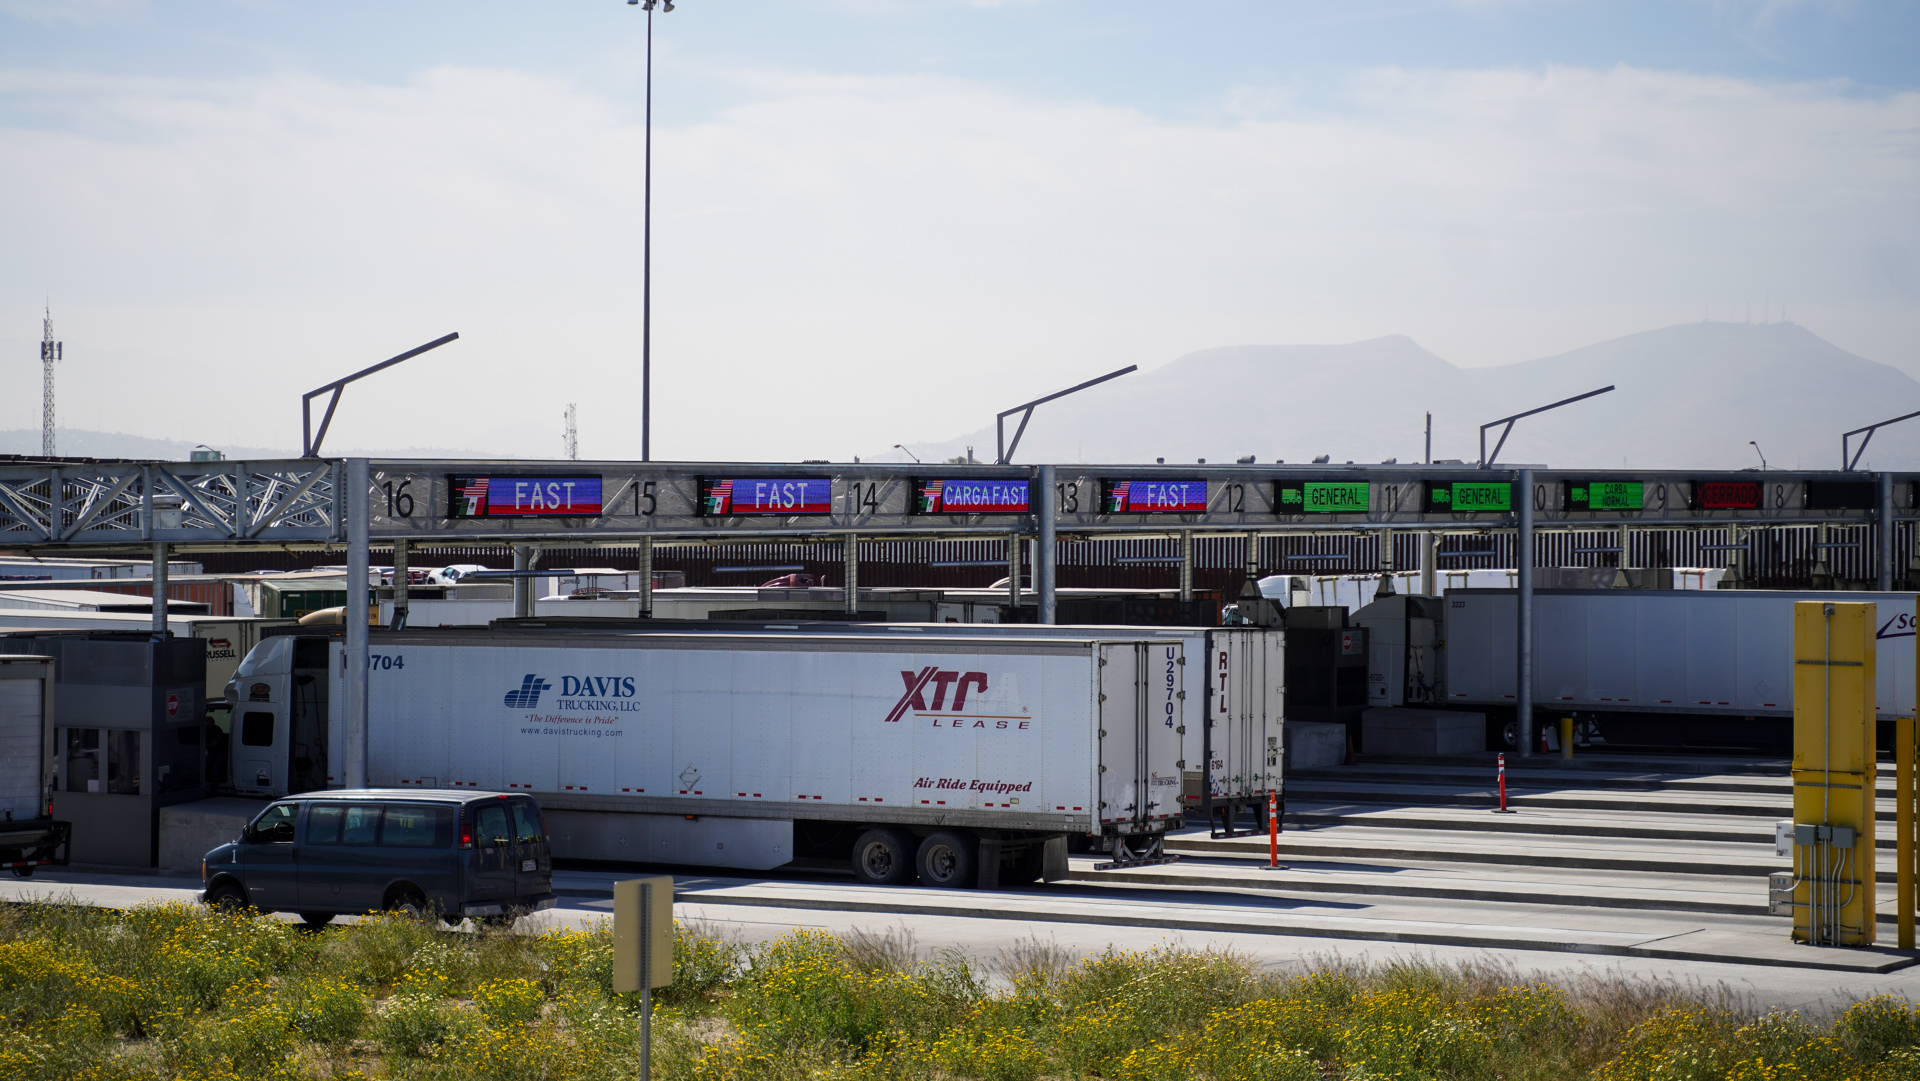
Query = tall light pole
x=646 y=251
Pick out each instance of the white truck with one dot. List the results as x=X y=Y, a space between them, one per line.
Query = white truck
x=1661 y=666
x=29 y=835
x=965 y=761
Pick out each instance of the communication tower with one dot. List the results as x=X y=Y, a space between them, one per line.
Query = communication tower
x=572 y=438
x=49 y=352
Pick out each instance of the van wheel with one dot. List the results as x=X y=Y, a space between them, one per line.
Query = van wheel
x=949 y=860
x=316 y=919
x=883 y=857
x=227 y=897
x=409 y=904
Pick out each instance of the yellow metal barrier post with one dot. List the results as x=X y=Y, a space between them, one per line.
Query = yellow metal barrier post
x=1903 y=827
x=1833 y=773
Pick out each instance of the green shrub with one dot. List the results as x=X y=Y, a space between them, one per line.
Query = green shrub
x=509 y=1002
x=1877 y=1027
x=412 y=1023
x=328 y=1011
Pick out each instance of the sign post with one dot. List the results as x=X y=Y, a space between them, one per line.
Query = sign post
x=643 y=948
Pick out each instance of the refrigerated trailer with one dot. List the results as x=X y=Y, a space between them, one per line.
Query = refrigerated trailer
x=964 y=760
x=1712 y=666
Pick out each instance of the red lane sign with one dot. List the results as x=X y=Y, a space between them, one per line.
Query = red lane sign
x=173 y=705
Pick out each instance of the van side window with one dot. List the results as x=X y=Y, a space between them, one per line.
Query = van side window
x=323 y=824
x=343 y=823
x=491 y=826
x=256 y=729
x=526 y=821
x=413 y=825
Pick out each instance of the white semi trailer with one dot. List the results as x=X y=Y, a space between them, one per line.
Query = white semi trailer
x=1712 y=666
x=962 y=760
x=1232 y=700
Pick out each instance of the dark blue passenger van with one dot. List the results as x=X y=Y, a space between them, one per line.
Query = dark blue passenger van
x=459 y=854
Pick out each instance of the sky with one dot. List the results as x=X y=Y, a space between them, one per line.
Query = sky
x=882 y=221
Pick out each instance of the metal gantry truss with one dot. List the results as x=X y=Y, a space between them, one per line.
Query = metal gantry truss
x=199 y=503
x=306 y=502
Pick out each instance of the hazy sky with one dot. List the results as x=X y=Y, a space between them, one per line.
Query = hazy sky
x=881 y=221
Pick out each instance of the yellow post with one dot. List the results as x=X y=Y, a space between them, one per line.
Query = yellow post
x=1566 y=737
x=1833 y=773
x=1903 y=827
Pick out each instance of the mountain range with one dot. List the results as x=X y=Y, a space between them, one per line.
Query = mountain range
x=1686 y=396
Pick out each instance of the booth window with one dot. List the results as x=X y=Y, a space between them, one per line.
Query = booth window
x=84 y=772
x=103 y=760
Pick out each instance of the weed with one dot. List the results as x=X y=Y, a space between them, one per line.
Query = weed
x=180 y=993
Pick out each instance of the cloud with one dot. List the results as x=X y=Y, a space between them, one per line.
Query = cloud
x=72 y=12
x=842 y=263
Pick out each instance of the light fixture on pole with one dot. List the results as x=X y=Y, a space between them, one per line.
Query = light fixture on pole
x=1761 y=453
x=309 y=439
x=908 y=453
x=1026 y=411
x=646 y=250
x=1486 y=460
x=1848 y=464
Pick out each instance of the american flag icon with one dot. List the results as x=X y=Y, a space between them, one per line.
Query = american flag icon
x=720 y=497
x=473 y=498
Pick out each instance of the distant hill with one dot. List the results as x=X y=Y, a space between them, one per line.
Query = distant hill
x=80 y=443
x=1690 y=396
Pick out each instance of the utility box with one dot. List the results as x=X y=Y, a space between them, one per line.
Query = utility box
x=128 y=726
x=1833 y=773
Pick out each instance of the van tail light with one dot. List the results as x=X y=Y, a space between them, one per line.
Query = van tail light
x=466 y=835
x=203 y=872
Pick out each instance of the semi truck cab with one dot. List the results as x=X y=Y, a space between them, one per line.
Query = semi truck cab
x=278 y=699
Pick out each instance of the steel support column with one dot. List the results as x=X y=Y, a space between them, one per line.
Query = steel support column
x=159 y=591
x=353 y=711
x=1523 y=659
x=399 y=585
x=1013 y=569
x=1186 y=565
x=523 y=585
x=1429 y=556
x=851 y=562
x=646 y=578
x=1045 y=550
x=1884 y=528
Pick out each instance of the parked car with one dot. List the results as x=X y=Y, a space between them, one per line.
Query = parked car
x=323 y=854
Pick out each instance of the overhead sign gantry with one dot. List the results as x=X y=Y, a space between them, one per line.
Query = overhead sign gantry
x=360 y=503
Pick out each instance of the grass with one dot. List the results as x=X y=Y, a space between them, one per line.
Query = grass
x=179 y=992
